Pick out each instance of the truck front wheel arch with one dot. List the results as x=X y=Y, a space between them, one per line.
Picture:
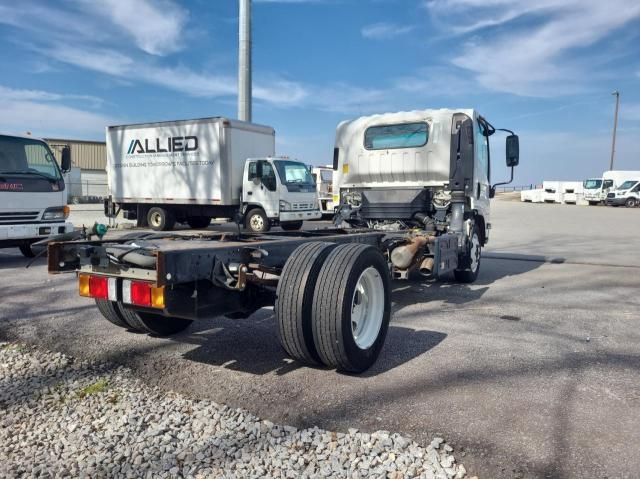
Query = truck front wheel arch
x=256 y=221
x=482 y=228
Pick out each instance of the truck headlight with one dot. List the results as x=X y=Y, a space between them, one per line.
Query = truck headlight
x=56 y=213
x=285 y=205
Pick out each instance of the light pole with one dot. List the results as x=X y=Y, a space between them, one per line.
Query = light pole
x=616 y=93
x=244 y=61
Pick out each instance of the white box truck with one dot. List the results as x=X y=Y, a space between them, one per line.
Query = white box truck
x=33 y=197
x=597 y=189
x=323 y=176
x=190 y=171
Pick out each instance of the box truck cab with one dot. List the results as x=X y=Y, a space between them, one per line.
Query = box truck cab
x=596 y=190
x=628 y=194
x=323 y=176
x=33 y=198
x=190 y=171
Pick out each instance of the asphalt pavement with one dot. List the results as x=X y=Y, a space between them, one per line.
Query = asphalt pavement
x=531 y=372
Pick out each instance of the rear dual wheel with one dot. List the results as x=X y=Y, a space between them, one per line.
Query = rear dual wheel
x=338 y=313
x=143 y=322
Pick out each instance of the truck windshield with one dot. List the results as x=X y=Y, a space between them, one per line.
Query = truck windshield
x=24 y=156
x=406 y=135
x=592 y=184
x=293 y=173
x=627 y=185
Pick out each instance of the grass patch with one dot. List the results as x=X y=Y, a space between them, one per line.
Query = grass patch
x=94 y=388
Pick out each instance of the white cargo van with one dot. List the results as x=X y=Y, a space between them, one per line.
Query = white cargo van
x=597 y=189
x=628 y=194
x=33 y=198
x=190 y=171
x=323 y=176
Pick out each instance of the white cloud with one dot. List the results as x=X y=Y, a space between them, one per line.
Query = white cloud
x=384 y=30
x=41 y=113
x=541 y=57
x=155 y=25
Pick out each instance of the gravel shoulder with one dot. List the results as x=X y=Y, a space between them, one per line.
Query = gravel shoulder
x=63 y=417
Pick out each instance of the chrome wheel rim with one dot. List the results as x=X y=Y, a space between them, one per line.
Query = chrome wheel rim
x=367 y=308
x=256 y=222
x=156 y=219
x=475 y=252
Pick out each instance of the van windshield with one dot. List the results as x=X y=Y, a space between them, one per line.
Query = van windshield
x=627 y=184
x=294 y=173
x=592 y=184
x=24 y=156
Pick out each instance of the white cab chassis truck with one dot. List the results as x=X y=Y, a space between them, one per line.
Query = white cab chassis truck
x=424 y=171
x=596 y=190
x=415 y=194
x=33 y=196
x=323 y=176
x=190 y=171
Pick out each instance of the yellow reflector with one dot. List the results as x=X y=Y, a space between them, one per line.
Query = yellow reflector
x=157 y=297
x=336 y=198
x=345 y=168
x=83 y=285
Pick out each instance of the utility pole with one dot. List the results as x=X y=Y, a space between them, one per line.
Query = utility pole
x=616 y=93
x=244 y=61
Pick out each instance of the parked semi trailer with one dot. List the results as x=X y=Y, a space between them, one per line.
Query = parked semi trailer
x=414 y=194
x=189 y=171
x=33 y=194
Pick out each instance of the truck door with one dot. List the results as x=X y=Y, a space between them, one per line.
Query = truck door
x=262 y=191
x=482 y=171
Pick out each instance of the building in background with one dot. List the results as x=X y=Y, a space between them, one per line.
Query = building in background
x=87 y=180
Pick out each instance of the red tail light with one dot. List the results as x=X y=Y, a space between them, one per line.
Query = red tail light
x=94 y=286
x=140 y=293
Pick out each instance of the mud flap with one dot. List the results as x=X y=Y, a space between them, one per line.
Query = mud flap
x=445 y=254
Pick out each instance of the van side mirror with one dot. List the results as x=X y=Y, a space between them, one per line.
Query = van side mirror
x=65 y=160
x=513 y=150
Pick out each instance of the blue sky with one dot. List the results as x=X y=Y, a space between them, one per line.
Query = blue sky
x=544 y=68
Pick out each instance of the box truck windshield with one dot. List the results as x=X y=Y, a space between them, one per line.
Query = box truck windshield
x=23 y=156
x=592 y=184
x=294 y=173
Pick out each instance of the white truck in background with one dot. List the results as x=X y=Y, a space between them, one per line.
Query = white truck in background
x=191 y=171
x=323 y=176
x=33 y=197
x=597 y=189
x=627 y=194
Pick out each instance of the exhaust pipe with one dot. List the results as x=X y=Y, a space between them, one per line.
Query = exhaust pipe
x=426 y=267
x=403 y=257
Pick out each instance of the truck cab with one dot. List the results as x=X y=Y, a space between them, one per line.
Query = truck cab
x=33 y=198
x=278 y=191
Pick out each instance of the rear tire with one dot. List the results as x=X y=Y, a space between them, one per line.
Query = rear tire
x=469 y=262
x=161 y=219
x=631 y=203
x=26 y=251
x=256 y=221
x=291 y=225
x=154 y=324
x=352 y=307
x=112 y=313
x=198 y=222
x=294 y=301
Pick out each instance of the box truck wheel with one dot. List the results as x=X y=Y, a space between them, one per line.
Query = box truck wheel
x=469 y=262
x=351 y=307
x=291 y=225
x=256 y=221
x=198 y=222
x=161 y=219
x=154 y=324
x=294 y=299
x=26 y=250
x=112 y=313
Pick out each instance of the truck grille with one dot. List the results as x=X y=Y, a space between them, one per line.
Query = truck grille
x=611 y=195
x=18 y=216
x=302 y=206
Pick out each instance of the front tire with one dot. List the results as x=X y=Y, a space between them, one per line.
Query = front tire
x=256 y=221
x=631 y=203
x=352 y=307
x=469 y=262
x=161 y=219
x=154 y=324
x=26 y=251
x=291 y=225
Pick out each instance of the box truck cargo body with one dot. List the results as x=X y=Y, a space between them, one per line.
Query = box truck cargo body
x=193 y=170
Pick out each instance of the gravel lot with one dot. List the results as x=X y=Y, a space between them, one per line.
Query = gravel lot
x=67 y=418
x=531 y=372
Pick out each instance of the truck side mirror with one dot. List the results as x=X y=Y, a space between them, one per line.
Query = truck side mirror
x=259 y=171
x=513 y=150
x=336 y=157
x=65 y=160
